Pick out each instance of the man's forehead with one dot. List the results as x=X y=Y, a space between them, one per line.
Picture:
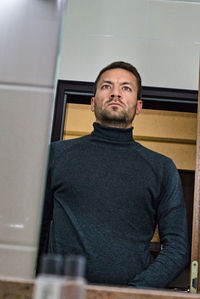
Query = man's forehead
x=118 y=74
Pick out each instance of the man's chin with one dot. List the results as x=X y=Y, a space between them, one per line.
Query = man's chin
x=113 y=119
x=114 y=116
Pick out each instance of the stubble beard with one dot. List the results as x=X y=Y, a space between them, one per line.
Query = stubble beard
x=118 y=120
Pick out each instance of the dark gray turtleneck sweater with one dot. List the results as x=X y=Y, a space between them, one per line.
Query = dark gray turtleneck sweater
x=108 y=193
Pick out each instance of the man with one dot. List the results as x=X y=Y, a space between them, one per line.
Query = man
x=109 y=193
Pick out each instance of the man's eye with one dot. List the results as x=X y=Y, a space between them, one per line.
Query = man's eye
x=126 y=88
x=105 y=86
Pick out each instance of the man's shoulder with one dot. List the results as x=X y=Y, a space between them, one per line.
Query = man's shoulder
x=70 y=143
x=153 y=156
x=160 y=164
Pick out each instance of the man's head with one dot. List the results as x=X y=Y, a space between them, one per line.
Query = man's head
x=117 y=95
x=126 y=66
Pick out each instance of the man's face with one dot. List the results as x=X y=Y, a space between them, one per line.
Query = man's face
x=115 y=102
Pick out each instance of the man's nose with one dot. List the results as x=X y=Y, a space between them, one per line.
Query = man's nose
x=115 y=93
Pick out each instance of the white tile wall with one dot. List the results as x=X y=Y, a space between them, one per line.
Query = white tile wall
x=174 y=21
x=30 y=33
x=80 y=63
x=173 y=46
x=177 y=64
x=106 y=18
x=25 y=118
x=17 y=261
x=160 y=37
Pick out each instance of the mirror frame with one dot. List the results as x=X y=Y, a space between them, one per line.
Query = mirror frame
x=195 y=253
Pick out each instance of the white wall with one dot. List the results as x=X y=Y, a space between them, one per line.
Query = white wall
x=160 y=37
x=29 y=31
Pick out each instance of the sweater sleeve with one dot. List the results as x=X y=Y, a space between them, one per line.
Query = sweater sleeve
x=173 y=231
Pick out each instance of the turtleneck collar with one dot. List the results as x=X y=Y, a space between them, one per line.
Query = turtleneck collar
x=115 y=134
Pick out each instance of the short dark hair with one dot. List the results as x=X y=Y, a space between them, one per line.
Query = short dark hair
x=122 y=65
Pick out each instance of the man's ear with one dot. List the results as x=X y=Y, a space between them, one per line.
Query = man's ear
x=92 y=104
x=139 y=106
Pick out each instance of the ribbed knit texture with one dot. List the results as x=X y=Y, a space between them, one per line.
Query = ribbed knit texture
x=109 y=192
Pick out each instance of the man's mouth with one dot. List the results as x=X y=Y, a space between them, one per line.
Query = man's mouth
x=114 y=103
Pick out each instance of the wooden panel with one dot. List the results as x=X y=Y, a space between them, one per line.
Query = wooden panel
x=182 y=154
x=166 y=124
x=169 y=125
x=167 y=132
x=79 y=118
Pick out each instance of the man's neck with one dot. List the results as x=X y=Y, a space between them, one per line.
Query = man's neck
x=114 y=124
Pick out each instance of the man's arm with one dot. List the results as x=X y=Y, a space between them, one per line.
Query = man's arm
x=172 y=222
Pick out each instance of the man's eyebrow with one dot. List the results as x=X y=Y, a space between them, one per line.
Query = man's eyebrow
x=106 y=81
x=126 y=83
x=111 y=82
